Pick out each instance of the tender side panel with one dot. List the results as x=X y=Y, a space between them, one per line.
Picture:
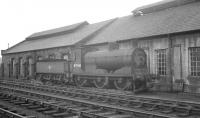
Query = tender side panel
x=51 y=67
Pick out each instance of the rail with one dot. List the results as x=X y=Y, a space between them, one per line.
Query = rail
x=129 y=102
x=8 y=114
x=79 y=107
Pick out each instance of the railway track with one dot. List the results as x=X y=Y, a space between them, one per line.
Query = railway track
x=128 y=103
x=7 y=112
x=58 y=106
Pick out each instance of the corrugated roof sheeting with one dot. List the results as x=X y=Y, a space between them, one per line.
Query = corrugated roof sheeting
x=65 y=29
x=58 y=41
x=173 y=20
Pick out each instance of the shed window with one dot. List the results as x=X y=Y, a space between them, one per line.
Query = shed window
x=12 y=69
x=20 y=66
x=65 y=56
x=30 y=66
x=39 y=58
x=194 y=61
x=52 y=56
x=161 y=68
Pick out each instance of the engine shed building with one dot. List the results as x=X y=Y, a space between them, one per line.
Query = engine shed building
x=169 y=32
x=61 y=43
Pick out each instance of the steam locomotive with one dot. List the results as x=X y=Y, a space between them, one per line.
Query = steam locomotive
x=120 y=69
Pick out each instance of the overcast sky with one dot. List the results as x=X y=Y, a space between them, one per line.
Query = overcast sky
x=21 y=18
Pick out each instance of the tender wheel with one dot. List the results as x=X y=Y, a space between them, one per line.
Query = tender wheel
x=101 y=82
x=48 y=83
x=57 y=79
x=122 y=83
x=80 y=81
x=39 y=77
x=46 y=79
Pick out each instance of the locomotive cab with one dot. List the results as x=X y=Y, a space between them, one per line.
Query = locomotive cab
x=139 y=70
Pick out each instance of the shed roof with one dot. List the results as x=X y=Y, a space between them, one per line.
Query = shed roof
x=173 y=20
x=67 y=39
x=164 y=4
x=57 y=31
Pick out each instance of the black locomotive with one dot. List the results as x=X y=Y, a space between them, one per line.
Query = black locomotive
x=121 y=69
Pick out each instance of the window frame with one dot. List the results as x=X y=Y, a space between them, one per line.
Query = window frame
x=20 y=66
x=39 y=58
x=65 y=54
x=51 y=55
x=161 y=62
x=194 y=61
x=12 y=69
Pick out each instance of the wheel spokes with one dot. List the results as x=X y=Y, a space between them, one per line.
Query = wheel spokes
x=101 y=82
x=80 y=81
x=122 y=83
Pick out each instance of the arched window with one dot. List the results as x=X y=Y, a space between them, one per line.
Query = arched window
x=2 y=69
x=39 y=58
x=30 y=66
x=51 y=56
x=9 y=69
x=65 y=56
x=12 y=69
x=20 y=66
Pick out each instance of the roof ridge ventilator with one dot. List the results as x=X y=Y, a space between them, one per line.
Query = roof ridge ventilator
x=159 y=6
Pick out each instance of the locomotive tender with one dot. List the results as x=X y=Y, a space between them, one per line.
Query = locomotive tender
x=53 y=71
x=121 y=69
